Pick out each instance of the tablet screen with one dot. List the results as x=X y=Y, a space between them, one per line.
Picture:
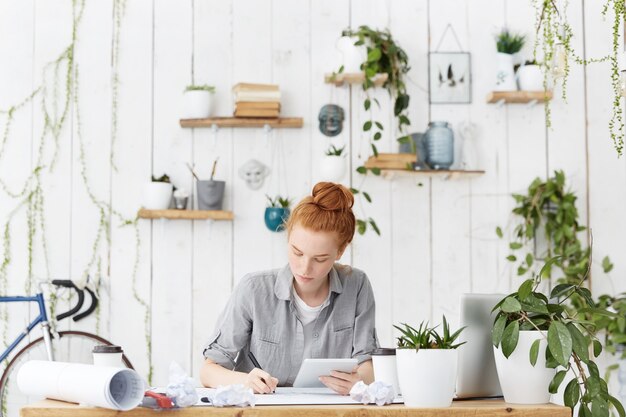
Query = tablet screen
x=312 y=369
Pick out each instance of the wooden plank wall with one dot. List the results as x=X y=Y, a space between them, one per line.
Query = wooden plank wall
x=438 y=237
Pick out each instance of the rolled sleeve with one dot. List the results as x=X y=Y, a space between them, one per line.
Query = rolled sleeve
x=365 y=340
x=233 y=328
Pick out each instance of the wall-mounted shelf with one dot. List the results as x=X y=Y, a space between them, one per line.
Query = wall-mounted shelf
x=186 y=214
x=280 y=122
x=445 y=174
x=518 y=97
x=353 y=78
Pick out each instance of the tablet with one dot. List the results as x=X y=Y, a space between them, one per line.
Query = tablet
x=312 y=369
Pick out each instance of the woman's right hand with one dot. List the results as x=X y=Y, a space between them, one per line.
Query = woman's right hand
x=261 y=382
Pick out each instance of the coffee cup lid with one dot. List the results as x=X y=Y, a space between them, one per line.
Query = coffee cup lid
x=107 y=349
x=384 y=351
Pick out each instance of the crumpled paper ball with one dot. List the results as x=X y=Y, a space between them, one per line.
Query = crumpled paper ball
x=181 y=388
x=233 y=395
x=377 y=392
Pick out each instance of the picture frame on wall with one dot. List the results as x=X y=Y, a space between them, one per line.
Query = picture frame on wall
x=450 y=77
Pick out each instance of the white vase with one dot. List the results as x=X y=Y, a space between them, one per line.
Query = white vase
x=352 y=56
x=521 y=382
x=332 y=168
x=197 y=104
x=530 y=78
x=427 y=377
x=505 y=77
x=157 y=195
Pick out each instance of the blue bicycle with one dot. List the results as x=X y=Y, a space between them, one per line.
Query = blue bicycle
x=64 y=346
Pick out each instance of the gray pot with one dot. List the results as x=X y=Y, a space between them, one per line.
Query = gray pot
x=210 y=194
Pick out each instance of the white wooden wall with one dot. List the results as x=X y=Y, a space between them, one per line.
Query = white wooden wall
x=438 y=237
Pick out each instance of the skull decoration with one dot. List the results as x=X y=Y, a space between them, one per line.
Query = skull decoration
x=331 y=119
x=253 y=173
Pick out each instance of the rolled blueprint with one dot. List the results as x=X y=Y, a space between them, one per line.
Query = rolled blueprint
x=101 y=386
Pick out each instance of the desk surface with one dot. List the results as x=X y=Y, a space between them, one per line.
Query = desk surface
x=483 y=408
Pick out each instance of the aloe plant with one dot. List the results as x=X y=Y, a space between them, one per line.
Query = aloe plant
x=425 y=337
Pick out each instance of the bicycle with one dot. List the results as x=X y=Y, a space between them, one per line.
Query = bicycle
x=65 y=346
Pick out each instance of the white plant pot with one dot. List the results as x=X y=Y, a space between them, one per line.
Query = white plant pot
x=505 y=77
x=332 y=168
x=427 y=377
x=530 y=78
x=197 y=104
x=521 y=382
x=157 y=195
x=352 y=56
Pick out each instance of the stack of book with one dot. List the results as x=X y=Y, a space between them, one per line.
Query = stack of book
x=256 y=100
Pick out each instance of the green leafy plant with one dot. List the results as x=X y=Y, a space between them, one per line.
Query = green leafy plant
x=568 y=336
x=162 y=178
x=278 y=201
x=334 y=151
x=614 y=329
x=425 y=337
x=384 y=56
x=203 y=87
x=508 y=42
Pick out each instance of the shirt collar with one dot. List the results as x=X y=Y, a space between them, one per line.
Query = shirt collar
x=282 y=287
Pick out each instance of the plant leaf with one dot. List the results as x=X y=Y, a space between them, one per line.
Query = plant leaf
x=560 y=289
x=560 y=342
x=579 y=342
x=599 y=407
x=515 y=245
x=367 y=103
x=367 y=125
x=556 y=382
x=534 y=352
x=498 y=329
x=499 y=232
x=618 y=406
x=607 y=266
x=510 y=337
x=597 y=348
x=572 y=393
x=367 y=197
x=525 y=289
x=511 y=305
x=374 y=55
x=361 y=170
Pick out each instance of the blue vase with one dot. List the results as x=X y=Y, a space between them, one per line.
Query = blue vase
x=440 y=144
x=275 y=218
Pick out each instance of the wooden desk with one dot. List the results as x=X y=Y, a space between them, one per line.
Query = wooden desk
x=482 y=408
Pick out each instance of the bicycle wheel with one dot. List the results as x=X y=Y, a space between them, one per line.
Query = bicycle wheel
x=68 y=346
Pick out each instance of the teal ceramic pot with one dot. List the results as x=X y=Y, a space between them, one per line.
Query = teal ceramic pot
x=275 y=218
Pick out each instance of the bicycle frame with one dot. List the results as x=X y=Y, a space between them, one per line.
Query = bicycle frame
x=42 y=319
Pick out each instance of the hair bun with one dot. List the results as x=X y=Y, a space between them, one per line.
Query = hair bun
x=332 y=197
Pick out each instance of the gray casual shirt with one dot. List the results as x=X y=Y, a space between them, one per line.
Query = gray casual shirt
x=261 y=317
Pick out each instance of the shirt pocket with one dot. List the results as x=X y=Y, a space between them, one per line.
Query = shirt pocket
x=266 y=347
x=342 y=336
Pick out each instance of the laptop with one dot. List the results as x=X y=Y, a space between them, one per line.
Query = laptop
x=477 y=376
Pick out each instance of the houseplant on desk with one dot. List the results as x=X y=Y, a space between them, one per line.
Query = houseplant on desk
x=427 y=364
x=538 y=343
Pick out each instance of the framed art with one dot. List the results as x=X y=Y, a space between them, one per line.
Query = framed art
x=450 y=77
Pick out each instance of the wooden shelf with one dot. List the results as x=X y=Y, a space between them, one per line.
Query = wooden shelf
x=353 y=78
x=445 y=174
x=279 y=122
x=518 y=97
x=186 y=214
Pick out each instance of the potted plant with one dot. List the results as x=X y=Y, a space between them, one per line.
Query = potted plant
x=333 y=164
x=197 y=103
x=157 y=194
x=427 y=364
x=530 y=77
x=383 y=56
x=276 y=213
x=537 y=343
x=507 y=44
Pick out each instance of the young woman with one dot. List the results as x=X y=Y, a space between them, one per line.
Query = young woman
x=311 y=308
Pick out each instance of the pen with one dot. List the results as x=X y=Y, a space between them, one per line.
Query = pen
x=255 y=363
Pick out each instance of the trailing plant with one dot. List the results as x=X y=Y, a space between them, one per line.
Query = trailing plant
x=508 y=42
x=569 y=339
x=278 y=201
x=384 y=56
x=334 y=151
x=203 y=87
x=425 y=337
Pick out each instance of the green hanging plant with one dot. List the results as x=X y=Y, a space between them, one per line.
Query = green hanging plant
x=384 y=56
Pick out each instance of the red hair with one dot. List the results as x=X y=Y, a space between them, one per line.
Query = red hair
x=327 y=209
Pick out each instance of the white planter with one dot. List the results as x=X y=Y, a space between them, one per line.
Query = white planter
x=197 y=104
x=505 y=77
x=157 y=195
x=521 y=382
x=332 y=168
x=352 y=56
x=427 y=377
x=530 y=78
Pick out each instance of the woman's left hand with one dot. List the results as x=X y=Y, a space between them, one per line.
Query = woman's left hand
x=341 y=382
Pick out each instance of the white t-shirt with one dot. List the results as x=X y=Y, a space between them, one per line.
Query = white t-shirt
x=307 y=316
